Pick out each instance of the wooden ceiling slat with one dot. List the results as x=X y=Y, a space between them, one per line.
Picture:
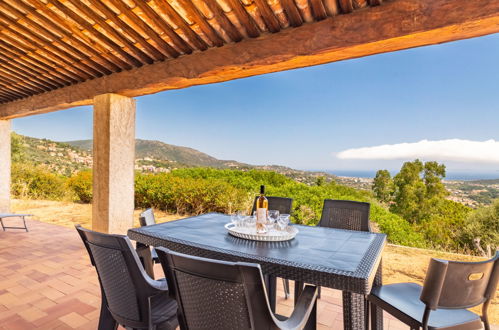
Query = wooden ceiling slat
x=134 y=34
x=331 y=7
x=97 y=69
x=15 y=78
x=38 y=42
x=21 y=86
x=224 y=22
x=163 y=26
x=25 y=79
x=346 y=6
x=33 y=75
x=28 y=60
x=318 y=9
x=268 y=16
x=108 y=66
x=160 y=42
x=109 y=29
x=25 y=44
x=132 y=61
x=86 y=42
x=292 y=12
x=246 y=20
x=10 y=95
x=5 y=97
x=199 y=19
x=11 y=89
x=193 y=37
x=16 y=59
x=29 y=76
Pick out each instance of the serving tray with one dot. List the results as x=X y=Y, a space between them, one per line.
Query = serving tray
x=272 y=235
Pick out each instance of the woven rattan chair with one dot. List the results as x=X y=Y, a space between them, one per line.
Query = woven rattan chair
x=349 y=215
x=129 y=296
x=222 y=295
x=284 y=206
x=147 y=255
x=449 y=289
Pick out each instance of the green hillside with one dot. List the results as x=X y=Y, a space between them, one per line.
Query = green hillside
x=167 y=152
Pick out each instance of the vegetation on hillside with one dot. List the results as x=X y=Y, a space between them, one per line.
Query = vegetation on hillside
x=418 y=195
x=412 y=209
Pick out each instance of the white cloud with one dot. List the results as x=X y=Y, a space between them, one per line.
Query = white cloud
x=443 y=150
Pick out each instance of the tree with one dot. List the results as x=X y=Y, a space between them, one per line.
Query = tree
x=409 y=191
x=383 y=186
x=419 y=191
x=320 y=181
x=16 y=147
x=433 y=175
x=483 y=223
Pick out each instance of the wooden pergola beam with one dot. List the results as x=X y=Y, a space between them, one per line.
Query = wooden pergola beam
x=395 y=25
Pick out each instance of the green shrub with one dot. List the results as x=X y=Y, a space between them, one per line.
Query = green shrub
x=81 y=185
x=186 y=195
x=483 y=223
x=36 y=182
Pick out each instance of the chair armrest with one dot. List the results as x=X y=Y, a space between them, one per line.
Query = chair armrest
x=156 y=286
x=302 y=310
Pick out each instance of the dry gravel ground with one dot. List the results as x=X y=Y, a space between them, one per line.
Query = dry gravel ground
x=400 y=264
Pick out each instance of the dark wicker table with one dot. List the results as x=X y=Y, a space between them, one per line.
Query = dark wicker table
x=340 y=259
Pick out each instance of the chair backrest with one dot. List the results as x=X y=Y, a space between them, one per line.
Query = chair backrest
x=454 y=284
x=147 y=218
x=121 y=276
x=343 y=214
x=213 y=294
x=282 y=204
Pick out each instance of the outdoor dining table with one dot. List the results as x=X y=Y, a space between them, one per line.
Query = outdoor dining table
x=335 y=258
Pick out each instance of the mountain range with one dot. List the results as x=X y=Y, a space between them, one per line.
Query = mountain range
x=151 y=156
x=167 y=152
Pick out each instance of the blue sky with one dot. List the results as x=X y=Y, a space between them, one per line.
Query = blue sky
x=303 y=118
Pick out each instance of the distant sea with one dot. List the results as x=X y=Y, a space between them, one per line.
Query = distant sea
x=466 y=176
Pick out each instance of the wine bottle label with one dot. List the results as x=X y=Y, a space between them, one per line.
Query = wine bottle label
x=261 y=214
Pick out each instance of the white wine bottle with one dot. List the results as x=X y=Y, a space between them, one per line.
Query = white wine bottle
x=262 y=207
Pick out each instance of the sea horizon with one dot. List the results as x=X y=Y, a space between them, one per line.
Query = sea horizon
x=451 y=175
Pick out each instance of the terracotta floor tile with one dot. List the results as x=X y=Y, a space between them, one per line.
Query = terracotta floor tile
x=74 y=320
x=32 y=314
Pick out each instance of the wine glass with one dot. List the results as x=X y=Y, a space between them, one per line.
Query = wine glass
x=283 y=221
x=235 y=219
x=272 y=218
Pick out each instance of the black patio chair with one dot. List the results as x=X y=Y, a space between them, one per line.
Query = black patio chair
x=214 y=294
x=147 y=255
x=341 y=214
x=450 y=287
x=284 y=206
x=129 y=296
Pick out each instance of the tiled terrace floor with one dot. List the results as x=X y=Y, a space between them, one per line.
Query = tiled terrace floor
x=47 y=282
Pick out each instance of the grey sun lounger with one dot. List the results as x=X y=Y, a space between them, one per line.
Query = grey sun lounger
x=13 y=215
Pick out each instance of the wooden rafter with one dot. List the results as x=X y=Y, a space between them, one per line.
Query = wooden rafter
x=70 y=50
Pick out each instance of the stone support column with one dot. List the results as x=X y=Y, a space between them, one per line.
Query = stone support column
x=113 y=163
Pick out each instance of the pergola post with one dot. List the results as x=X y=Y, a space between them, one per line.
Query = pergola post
x=5 y=163
x=113 y=163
